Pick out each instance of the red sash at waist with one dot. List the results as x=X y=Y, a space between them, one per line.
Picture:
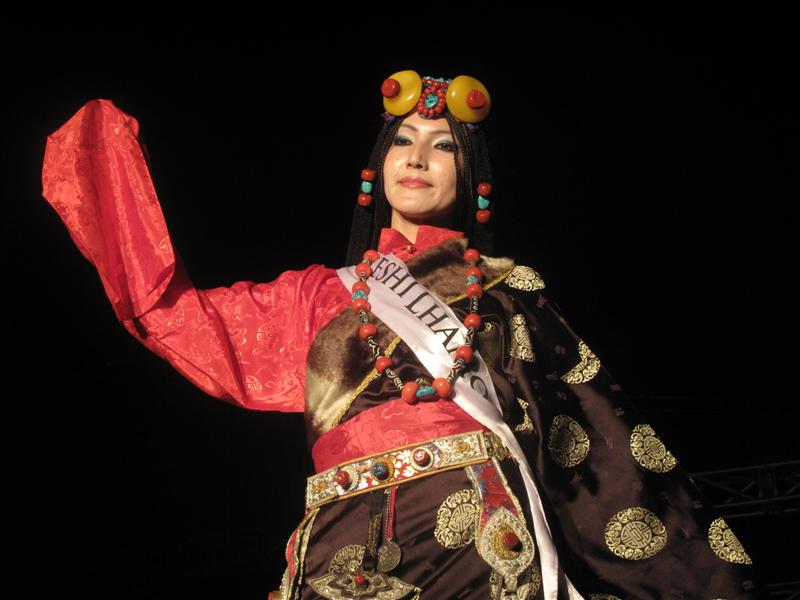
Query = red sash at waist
x=387 y=426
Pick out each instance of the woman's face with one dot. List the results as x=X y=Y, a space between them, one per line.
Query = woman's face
x=422 y=149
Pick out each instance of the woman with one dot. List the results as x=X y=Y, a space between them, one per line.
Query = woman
x=467 y=443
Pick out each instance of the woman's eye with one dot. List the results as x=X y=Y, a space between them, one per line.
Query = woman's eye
x=449 y=146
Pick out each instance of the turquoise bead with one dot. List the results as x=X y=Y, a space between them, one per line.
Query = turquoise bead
x=472 y=279
x=359 y=294
x=431 y=100
x=366 y=187
x=482 y=202
x=426 y=391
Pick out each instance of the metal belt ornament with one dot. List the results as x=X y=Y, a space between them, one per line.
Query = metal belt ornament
x=432 y=331
x=403 y=464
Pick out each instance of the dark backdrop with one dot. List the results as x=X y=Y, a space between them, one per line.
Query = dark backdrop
x=644 y=165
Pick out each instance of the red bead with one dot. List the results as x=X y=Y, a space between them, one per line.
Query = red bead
x=510 y=540
x=366 y=330
x=476 y=99
x=363 y=269
x=484 y=189
x=359 y=304
x=472 y=321
x=421 y=457
x=360 y=286
x=475 y=272
x=390 y=88
x=409 y=392
x=368 y=174
x=483 y=215
x=382 y=363
x=360 y=580
x=442 y=387
x=475 y=290
x=472 y=255
x=464 y=353
x=365 y=199
x=371 y=256
x=342 y=478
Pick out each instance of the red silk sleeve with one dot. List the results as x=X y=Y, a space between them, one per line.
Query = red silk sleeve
x=246 y=344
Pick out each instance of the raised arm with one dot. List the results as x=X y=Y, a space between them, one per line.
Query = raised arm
x=245 y=344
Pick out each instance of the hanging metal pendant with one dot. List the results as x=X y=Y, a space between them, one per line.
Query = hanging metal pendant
x=389 y=555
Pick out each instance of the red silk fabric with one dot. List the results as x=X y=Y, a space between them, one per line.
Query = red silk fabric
x=391 y=425
x=245 y=344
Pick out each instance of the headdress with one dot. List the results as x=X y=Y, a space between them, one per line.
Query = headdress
x=464 y=97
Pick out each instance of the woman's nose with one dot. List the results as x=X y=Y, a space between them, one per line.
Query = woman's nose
x=416 y=158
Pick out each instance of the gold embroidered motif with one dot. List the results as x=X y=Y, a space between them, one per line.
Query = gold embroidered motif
x=635 y=533
x=725 y=544
x=527 y=424
x=521 y=346
x=587 y=368
x=568 y=442
x=512 y=563
x=496 y=447
x=528 y=583
x=488 y=328
x=525 y=278
x=338 y=583
x=603 y=597
x=457 y=519
x=649 y=451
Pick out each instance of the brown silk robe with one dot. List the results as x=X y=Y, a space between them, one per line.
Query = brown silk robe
x=626 y=520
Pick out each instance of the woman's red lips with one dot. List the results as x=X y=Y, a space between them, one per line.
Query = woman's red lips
x=414 y=182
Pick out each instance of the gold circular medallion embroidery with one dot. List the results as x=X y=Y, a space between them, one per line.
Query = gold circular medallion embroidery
x=521 y=346
x=725 y=544
x=525 y=278
x=568 y=442
x=649 y=451
x=587 y=367
x=635 y=533
x=457 y=519
x=347 y=559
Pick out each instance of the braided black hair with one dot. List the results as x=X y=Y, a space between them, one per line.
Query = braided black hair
x=368 y=221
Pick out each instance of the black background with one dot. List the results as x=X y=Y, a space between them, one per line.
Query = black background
x=645 y=165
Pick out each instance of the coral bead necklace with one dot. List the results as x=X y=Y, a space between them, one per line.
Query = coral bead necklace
x=441 y=387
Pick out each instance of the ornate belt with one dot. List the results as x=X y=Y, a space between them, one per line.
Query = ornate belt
x=402 y=464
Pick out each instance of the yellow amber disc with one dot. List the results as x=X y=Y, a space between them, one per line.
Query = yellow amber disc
x=410 y=89
x=457 y=93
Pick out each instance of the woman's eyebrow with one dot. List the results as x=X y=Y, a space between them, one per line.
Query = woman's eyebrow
x=412 y=128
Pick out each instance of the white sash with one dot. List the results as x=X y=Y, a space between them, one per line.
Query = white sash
x=433 y=332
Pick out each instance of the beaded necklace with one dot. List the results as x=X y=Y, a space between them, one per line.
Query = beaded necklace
x=441 y=387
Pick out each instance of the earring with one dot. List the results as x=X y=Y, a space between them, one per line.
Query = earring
x=367 y=177
x=483 y=215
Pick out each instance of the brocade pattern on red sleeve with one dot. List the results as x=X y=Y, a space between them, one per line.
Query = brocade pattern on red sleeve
x=245 y=344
